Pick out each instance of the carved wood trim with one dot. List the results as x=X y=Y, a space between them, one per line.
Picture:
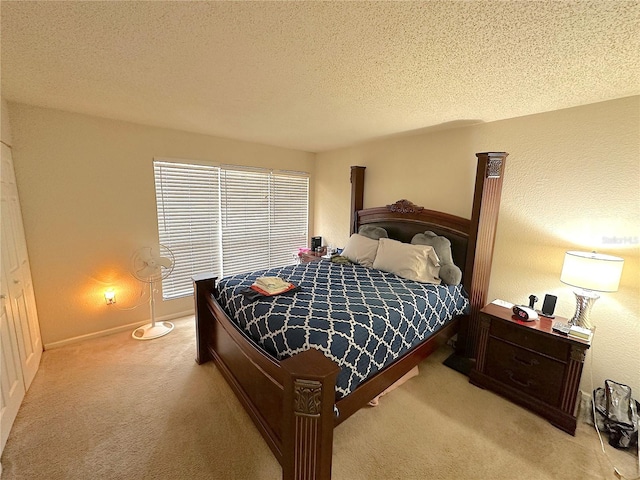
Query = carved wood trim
x=307 y=406
x=578 y=354
x=308 y=420
x=494 y=167
x=307 y=398
x=405 y=206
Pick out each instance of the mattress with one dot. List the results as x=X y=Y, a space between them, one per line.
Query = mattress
x=361 y=318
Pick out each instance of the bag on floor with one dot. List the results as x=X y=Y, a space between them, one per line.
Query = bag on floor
x=616 y=414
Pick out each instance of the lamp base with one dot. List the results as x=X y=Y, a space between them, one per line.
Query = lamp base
x=584 y=301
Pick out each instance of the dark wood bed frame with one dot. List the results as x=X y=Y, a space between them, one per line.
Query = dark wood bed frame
x=292 y=401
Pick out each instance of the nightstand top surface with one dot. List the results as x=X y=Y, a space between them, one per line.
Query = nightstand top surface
x=542 y=324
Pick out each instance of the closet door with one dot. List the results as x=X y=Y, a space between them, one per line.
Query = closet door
x=17 y=274
x=12 y=387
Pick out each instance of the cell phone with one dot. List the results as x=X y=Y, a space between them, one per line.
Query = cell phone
x=549 y=305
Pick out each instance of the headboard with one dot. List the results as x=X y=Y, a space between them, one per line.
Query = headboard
x=402 y=220
x=472 y=240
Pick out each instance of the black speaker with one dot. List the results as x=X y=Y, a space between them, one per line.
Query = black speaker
x=315 y=243
x=549 y=305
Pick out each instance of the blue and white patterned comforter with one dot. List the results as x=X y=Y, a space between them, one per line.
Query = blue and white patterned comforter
x=361 y=318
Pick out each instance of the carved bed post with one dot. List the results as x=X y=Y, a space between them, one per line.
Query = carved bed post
x=484 y=218
x=307 y=423
x=202 y=284
x=357 y=194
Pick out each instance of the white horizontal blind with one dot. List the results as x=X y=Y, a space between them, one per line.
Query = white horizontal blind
x=264 y=218
x=245 y=220
x=289 y=215
x=188 y=206
x=228 y=220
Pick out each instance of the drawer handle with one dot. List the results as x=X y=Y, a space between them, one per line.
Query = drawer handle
x=527 y=363
x=526 y=384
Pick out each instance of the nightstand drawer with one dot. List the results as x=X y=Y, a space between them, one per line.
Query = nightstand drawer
x=533 y=374
x=530 y=339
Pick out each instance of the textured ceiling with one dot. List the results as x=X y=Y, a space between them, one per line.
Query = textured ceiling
x=318 y=75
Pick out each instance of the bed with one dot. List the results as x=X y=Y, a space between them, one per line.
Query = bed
x=298 y=400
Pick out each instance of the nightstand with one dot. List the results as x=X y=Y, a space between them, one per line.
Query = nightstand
x=530 y=364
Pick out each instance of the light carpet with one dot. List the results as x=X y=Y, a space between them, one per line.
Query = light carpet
x=117 y=408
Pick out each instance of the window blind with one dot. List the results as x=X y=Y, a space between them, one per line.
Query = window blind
x=188 y=206
x=289 y=217
x=245 y=221
x=228 y=219
x=264 y=218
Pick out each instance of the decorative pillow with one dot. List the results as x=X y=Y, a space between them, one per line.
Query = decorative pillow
x=360 y=249
x=413 y=262
x=374 y=233
x=449 y=272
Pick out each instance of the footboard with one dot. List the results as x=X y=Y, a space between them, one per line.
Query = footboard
x=291 y=402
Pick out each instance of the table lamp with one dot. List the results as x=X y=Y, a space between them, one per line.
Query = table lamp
x=590 y=272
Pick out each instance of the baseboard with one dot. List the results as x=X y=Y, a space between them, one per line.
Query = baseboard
x=110 y=331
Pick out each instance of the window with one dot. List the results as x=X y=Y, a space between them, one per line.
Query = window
x=228 y=219
x=188 y=205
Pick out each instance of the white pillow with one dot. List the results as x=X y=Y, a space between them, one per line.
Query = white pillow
x=413 y=262
x=360 y=249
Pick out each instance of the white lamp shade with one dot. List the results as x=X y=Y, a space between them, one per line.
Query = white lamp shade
x=592 y=271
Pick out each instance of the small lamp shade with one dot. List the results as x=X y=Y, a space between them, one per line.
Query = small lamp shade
x=592 y=271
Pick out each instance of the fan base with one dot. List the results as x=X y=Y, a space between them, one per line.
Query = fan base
x=152 y=330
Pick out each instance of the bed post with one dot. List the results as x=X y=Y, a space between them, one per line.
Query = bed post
x=307 y=423
x=357 y=195
x=484 y=219
x=202 y=284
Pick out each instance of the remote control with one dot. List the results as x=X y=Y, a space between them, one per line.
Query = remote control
x=562 y=328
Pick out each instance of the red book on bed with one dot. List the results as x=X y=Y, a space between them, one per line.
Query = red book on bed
x=267 y=294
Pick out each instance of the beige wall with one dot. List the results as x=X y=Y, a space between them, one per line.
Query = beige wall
x=88 y=201
x=572 y=182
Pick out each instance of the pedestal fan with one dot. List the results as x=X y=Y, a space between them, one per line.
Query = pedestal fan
x=151 y=265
